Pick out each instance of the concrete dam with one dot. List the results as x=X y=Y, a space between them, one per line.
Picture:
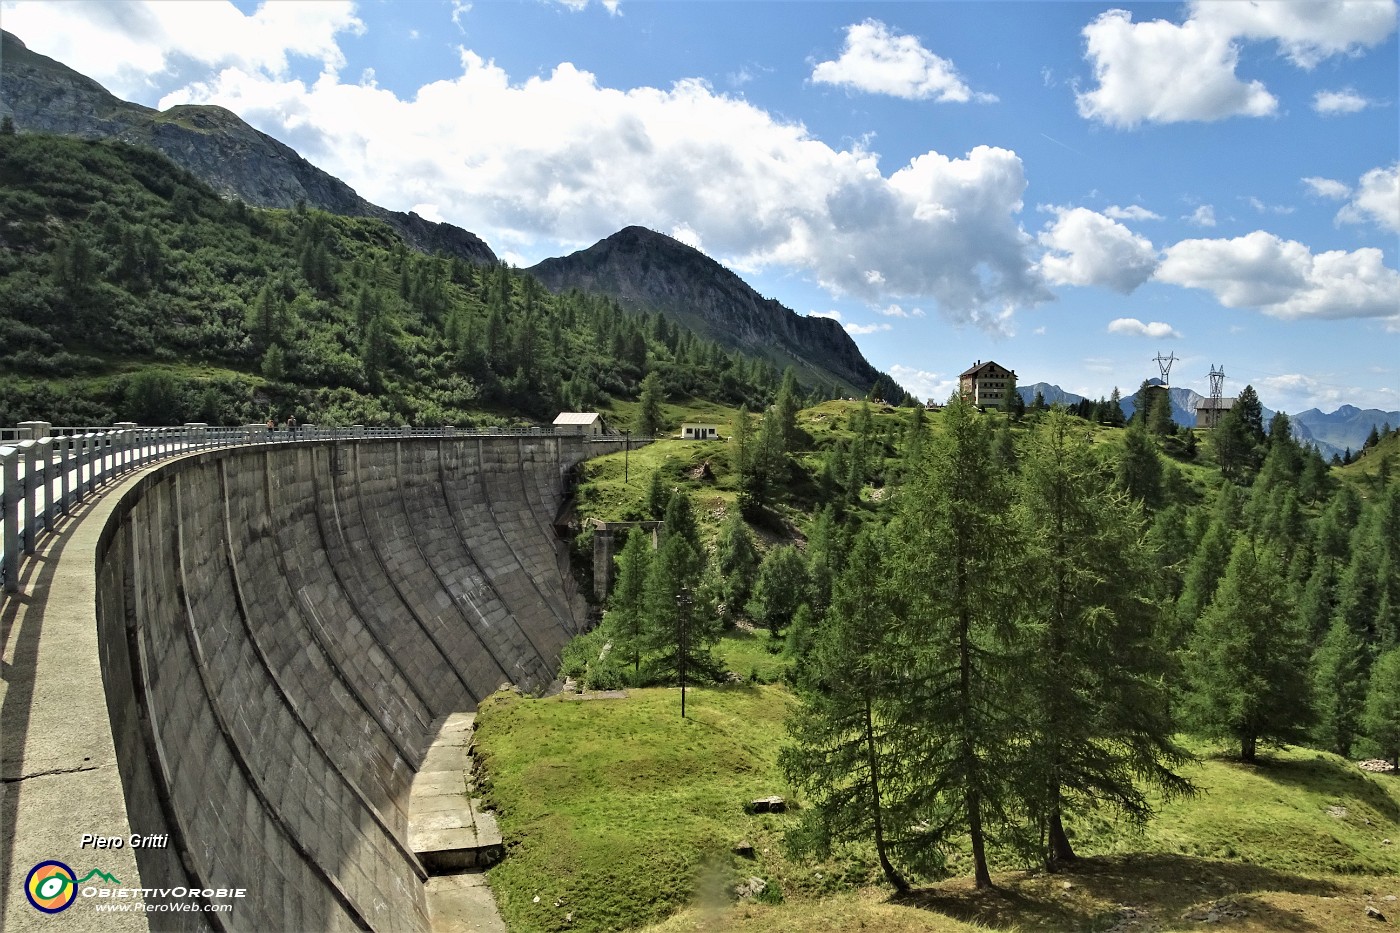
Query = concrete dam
x=282 y=631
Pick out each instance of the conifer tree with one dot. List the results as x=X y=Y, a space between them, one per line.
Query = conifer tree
x=1381 y=719
x=954 y=562
x=682 y=630
x=1247 y=662
x=785 y=408
x=825 y=557
x=780 y=588
x=657 y=496
x=1251 y=413
x=1140 y=468
x=736 y=563
x=627 y=607
x=1098 y=725
x=845 y=754
x=1339 y=680
x=1113 y=410
x=649 y=406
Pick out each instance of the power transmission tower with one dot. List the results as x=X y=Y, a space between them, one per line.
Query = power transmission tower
x=1164 y=366
x=1217 y=385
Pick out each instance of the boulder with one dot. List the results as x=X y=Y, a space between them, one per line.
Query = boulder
x=773 y=804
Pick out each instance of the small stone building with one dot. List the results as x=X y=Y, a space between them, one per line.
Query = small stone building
x=1210 y=410
x=578 y=422
x=691 y=431
x=985 y=384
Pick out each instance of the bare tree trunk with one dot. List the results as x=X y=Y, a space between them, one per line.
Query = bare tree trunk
x=1060 y=849
x=891 y=873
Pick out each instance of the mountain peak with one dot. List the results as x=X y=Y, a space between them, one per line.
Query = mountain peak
x=645 y=270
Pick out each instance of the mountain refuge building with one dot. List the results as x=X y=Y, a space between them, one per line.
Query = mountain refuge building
x=985 y=384
x=691 y=431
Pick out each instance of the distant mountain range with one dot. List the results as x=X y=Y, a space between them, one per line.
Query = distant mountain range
x=1334 y=433
x=641 y=269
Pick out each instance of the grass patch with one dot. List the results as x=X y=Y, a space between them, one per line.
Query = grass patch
x=621 y=811
x=624 y=815
x=751 y=654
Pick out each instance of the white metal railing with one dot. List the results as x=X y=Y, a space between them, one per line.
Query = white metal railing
x=46 y=471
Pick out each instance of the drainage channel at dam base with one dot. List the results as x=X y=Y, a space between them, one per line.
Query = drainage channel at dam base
x=454 y=837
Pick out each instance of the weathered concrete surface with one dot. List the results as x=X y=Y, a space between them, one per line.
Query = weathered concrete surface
x=59 y=775
x=278 y=641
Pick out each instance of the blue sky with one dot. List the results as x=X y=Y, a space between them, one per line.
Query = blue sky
x=1067 y=188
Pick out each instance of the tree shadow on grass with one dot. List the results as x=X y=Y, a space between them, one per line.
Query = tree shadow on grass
x=1097 y=893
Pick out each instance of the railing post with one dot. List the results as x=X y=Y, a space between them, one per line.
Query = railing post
x=29 y=488
x=9 y=517
x=38 y=430
x=63 y=447
x=43 y=476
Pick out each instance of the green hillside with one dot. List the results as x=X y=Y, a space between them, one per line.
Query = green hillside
x=130 y=291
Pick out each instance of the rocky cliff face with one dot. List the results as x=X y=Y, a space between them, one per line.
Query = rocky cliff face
x=43 y=95
x=643 y=269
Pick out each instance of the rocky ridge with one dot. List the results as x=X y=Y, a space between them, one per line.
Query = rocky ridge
x=216 y=145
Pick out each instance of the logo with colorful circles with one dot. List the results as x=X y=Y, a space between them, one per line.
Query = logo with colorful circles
x=51 y=887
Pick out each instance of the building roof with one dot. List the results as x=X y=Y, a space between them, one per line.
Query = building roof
x=577 y=417
x=980 y=365
x=1224 y=404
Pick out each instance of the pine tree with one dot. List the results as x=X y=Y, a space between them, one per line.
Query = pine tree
x=1159 y=416
x=627 y=609
x=785 y=408
x=1339 y=679
x=825 y=557
x=953 y=567
x=1113 y=410
x=1381 y=719
x=649 y=406
x=736 y=563
x=844 y=755
x=780 y=588
x=682 y=630
x=1251 y=414
x=1140 y=469
x=657 y=496
x=1099 y=725
x=1247 y=661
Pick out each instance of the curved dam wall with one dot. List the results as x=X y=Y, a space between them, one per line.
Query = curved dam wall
x=282 y=630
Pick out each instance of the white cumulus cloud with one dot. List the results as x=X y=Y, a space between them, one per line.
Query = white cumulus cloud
x=899 y=311
x=1087 y=248
x=126 y=45
x=1163 y=72
x=1306 y=32
x=1284 y=279
x=924 y=383
x=1160 y=72
x=1132 y=327
x=1203 y=216
x=877 y=60
x=1327 y=188
x=858 y=329
x=559 y=159
x=1331 y=103
x=1131 y=212
x=833 y=314
x=1376 y=199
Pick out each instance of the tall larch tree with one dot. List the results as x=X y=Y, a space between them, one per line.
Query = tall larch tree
x=1098 y=730
x=845 y=755
x=954 y=548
